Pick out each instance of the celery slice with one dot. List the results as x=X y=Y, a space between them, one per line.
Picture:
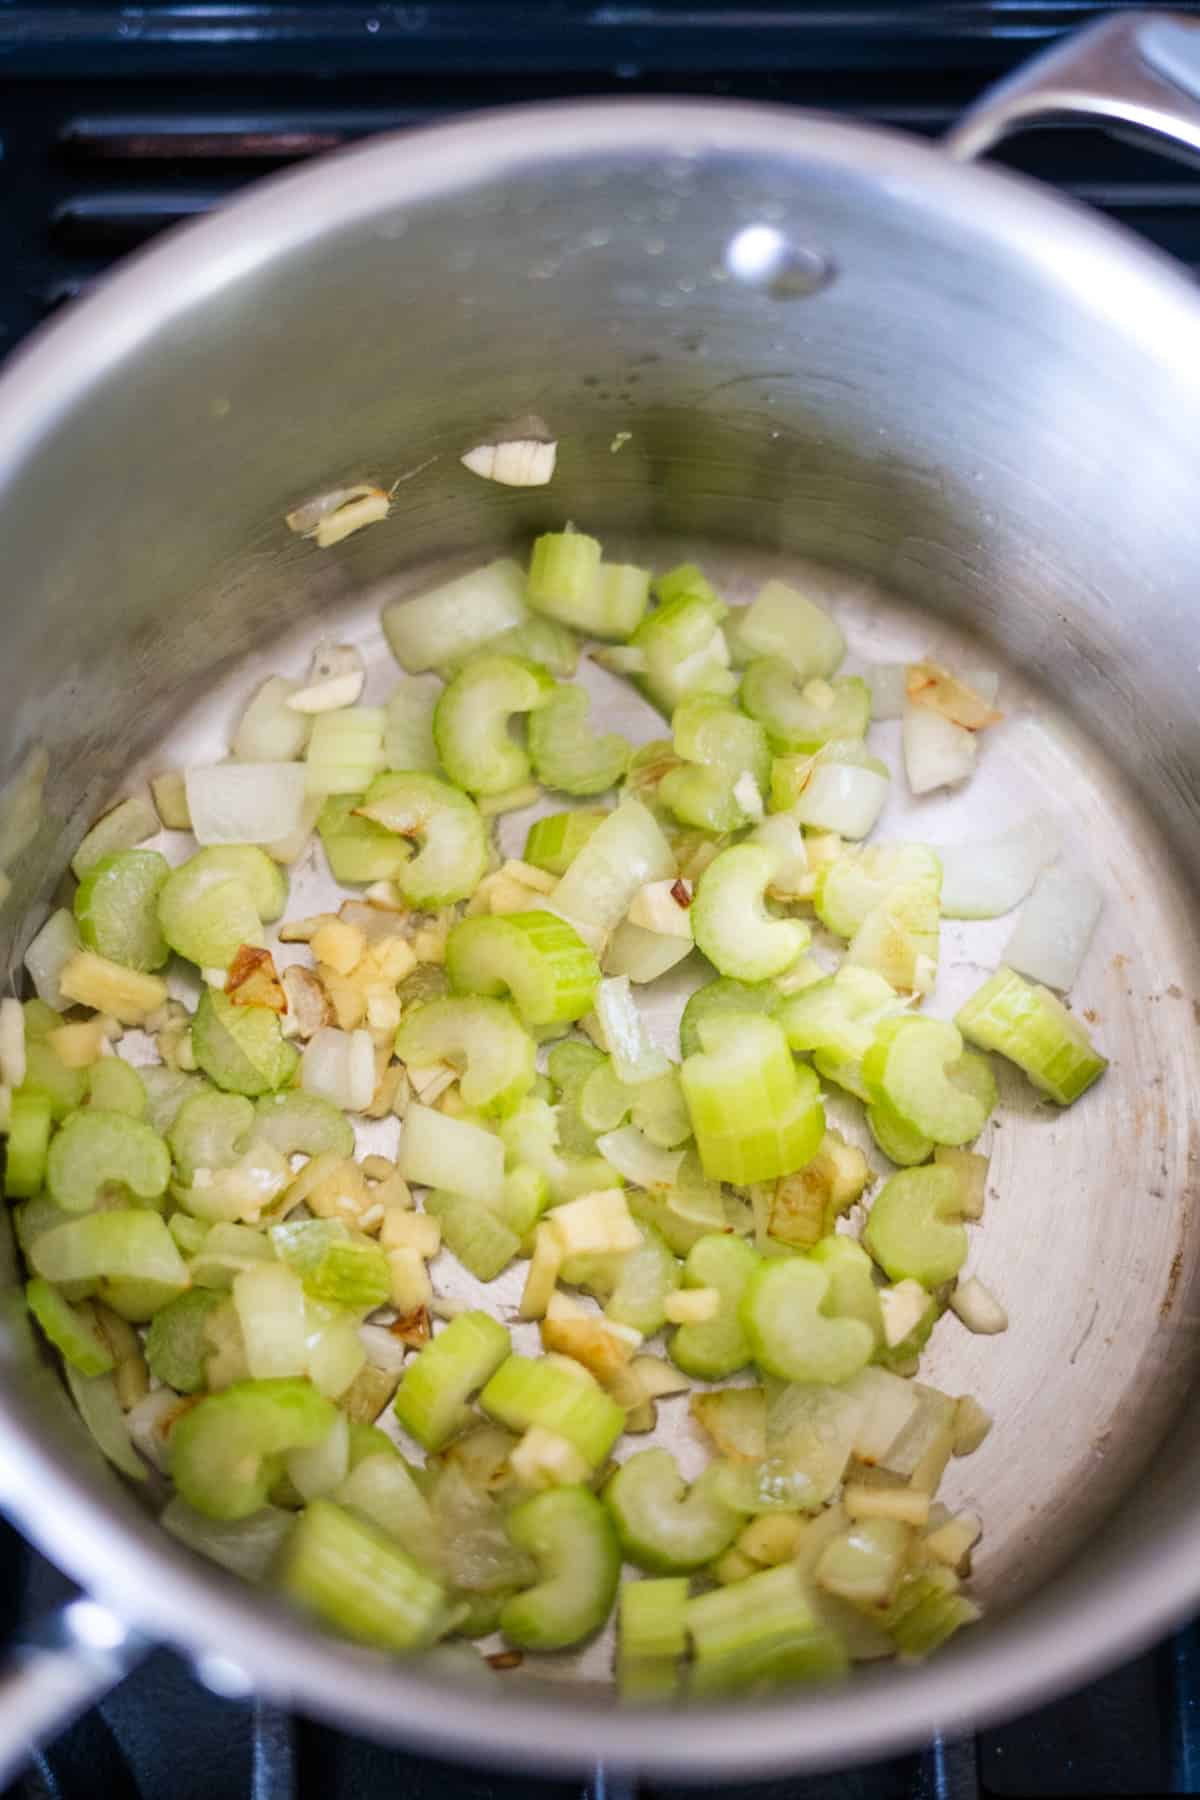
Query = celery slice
x=645 y=1277
x=755 y=1113
x=851 y=886
x=784 y=622
x=660 y=1111
x=788 y=1314
x=457 y=618
x=93 y=1150
x=839 y=1015
x=116 y=908
x=474 y=1233
x=900 y=1142
x=176 y=1346
x=604 y=1099
x=302 y=1124
x=803 y=716
x=241 y=1048
x=709 y=730
x=226 y=1452
x=116 y=1086
x=471 y=722
x=568 y=582
x=811 y=1430
x=69 y=1328
x=210 y=1131
x=852 y=1291
x=926 y=1611
x=913 y=1230
x=840 y=788
x=166 y=1090
x=908 y=1067
x=685 y=650
x=216 y=901
x=864 y=1563
x=439 y=1151
x=570 y=1535
x=348 y=1573
x=731 y=923
x=481 y=1038
x=721 y=996
x=538 y=639
x=554 y=842
x=431 y=1401
x=526 y=1197
x=898 y=939
x=567 y=754
x=1032 y=1028
x=452 y=857
x=524 y=1392
x=719 y=1346
x=345 y=750
x=28 y=1139
x=651 y=1618
x=408 y=730
x=664 y=1525
x=536 y=957
x=334 y=1263
x=358 y=849
x=47 y=1074
x=111 y=1245
x=761 y=1632
x=703 y=798
x=380 y=1487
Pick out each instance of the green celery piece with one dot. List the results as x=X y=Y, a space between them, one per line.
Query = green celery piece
x=471 y=722
x=711 y=731
x=652 y=1617
x=569 y=582
x=39 y=1019
x=536 y=639
x=408 y=729
x=536 y=957
x=431 y=1401
x=352 y=1577
x=927 y=1610
x=644 y=1278
x=864 y=1563
x=116 y=1086
x=851 y=886
x=731 y=923
x=898 y=1140
x=840 y=1015
x=784 y=622
x=474 y=1233
x=227 y=1451
x=116 y=908
x=189 y=1232
x=686 y=655
x=703 y=798
x=914 y=1228
x=664 y=1525
x=482 y=1038
x=367 y=1441
x=676 y=1217
x=571 y=1537
x=1032 y=1028
x=660 y=1110
x=303 y=1124
x=177 y=1349
x=334 y=1263
x=381 y=1488
x=763 y=1631
x=554 y=842
x=27 y=1143
x=623 y=854
x=755 y=1113
x=684 y=578
x=358 y=849
x=567 y=754
x=788 y=1315
x=241 y=1048
x=93 y=1149
x=95 y=1246
x=525 y=1391
x=852 y=1291
x=69 y=1328
x=210 y=1131
x=526 y=1197
x=345 y=750
x=604 y=1100
x=720 y=1346
x=898 y=939
x=166 y=1090
x=429 y=630
x=648 y=766
x=129 y=822
x=218 y=900
x=724 y=995
x=801 y=717
x=453 y=853
x=908 y=1068
x=904 y=1356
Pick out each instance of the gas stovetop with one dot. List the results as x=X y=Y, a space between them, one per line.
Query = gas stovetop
x=118 y=121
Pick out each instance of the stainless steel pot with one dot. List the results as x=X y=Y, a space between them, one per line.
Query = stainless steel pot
x=824 y=341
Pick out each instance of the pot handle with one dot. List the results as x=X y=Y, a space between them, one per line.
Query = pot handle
x=61 y=1669
x=1139 y=71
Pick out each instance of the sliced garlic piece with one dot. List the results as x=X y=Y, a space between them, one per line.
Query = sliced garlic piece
x=518 y=462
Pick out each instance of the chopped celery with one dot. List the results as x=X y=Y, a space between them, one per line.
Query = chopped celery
x=471 y=722
x=474 y=1233
x=900 y=1142
x=840 y=788
x=439 y=1151
x=719 y=1346
x=116 y=908
x=624 y=853
x=852 y=1292
x=763 y=1631
x=358 y=849
x=702 y=797
x=567 y=754
x=711 y=731
x=71 y=1329
x=604 y=1099
x=408 y=728
x=430 y=630
x=569 y=1534
x=352 y=1577
x=913 y=1230
x=685 y=650
x=898 y=939
x=554 y=842
x=724 y=995
x=664 y=1525
x=333 y=1262
x=784 y=622
x=538 y=640
x=526 y=1197
x=303 y=1124
x=804 y=715
x=806 y=1205
x=568 y=582
x=210 y=1132
x=789 y=1314
x=731 y=923
x=111 y=1245
x=27 y=1142
x=48 y=1075
x=453 y=841
x=40 y=1018
x=116 y=1086
x=241 y=1048
x=94 y=1151
x=217 y=901
x=166 y=1090
x=651 y=1617
x=851 y=886
x=755 y=1113
x=380 y=1487
x=536 y=957
x=644 y=1278
x=927 y=1610
x=431 y=1401
x=525 y=1392
x=480 y=1037
x=864 y=1563
x=660 y=1111
x=1032 y=1028
x=811 y=1430
x=908 y=1068
x=345 y=750
x=131 y=821
x=176 y=1346
x=227 y=1451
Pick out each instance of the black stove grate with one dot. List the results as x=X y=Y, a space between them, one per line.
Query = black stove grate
x=118 y=121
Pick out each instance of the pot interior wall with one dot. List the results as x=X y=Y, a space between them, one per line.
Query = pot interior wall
x=986 y=440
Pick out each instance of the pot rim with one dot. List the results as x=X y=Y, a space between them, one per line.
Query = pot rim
x=1055 y=1641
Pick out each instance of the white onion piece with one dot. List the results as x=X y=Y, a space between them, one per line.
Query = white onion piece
x=322 y=1467
x=269 y=1301
x=644 y=1164
x=452 y=620
x=635 y=1058
x=745 y=792
x=1055 y=927
x=984 y=682
x=657 y=907
x=937 y=752
x=842 y=797
x=246 y=803
x=247 y=1547
x=621 y=856
x=642 y=955
x=53 y=947
x=384 y=1350
x=782 y=837
x=339 y=1066
x=889 y=691
x=270 y=730
x=440 y=1152
x=146 y=1421
x=981 y=881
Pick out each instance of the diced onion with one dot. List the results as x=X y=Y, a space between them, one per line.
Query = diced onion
x=48 y=955
x=384 y=1349
x=246 y=803
x=635 y=1058
x=270 y=730
x=1055 y=927
x=889 y=691
x=340 y=1066
x=642 y=955
x=842 y=797
x=440 y=1152
x=247 y=1547
x=981 y=881
x=323 y=1467
x=937 y=752
x=270 y=1308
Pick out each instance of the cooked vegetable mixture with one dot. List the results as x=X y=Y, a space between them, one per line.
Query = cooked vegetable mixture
x=250 y=1314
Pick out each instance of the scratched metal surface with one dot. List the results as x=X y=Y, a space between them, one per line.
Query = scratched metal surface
x=1086 y=1231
